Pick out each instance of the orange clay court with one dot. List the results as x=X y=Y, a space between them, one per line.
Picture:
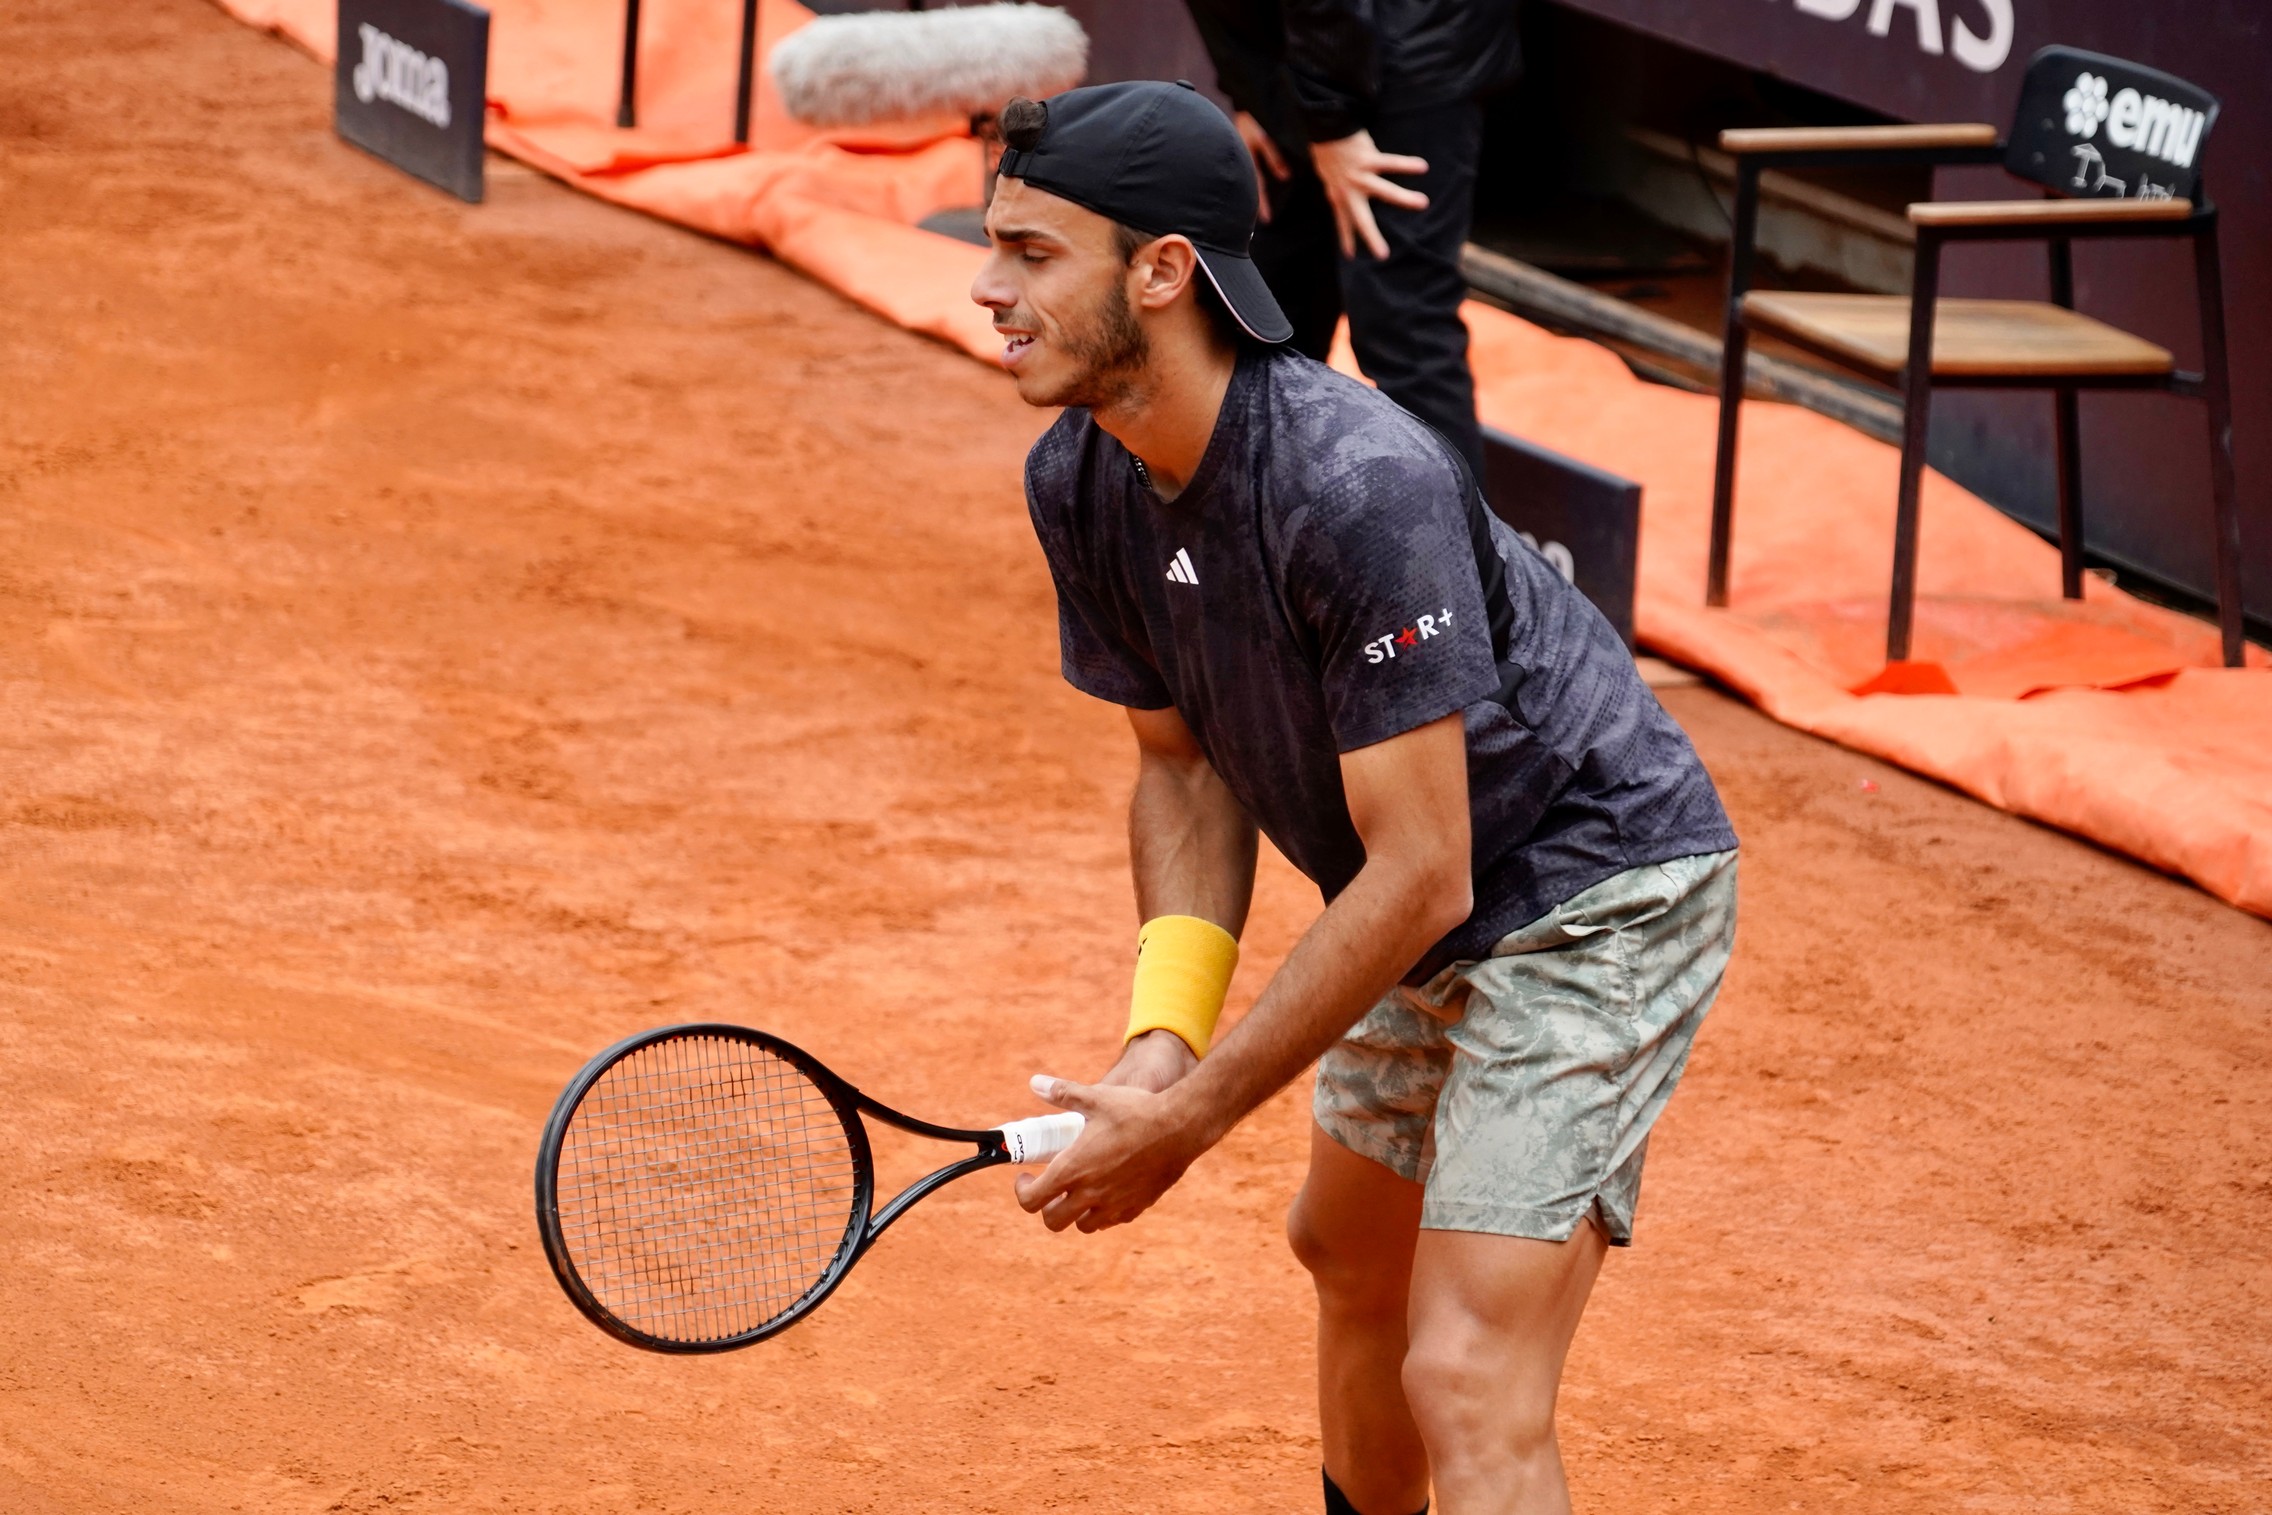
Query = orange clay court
x=436 y=641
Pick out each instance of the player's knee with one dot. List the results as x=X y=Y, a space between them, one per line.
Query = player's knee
x=1473 y=1402
x=1334 y=1254
x=1312 y=1242
x=1447 y=1387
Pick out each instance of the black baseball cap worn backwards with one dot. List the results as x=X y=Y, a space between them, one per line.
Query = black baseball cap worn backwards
x=1162 y=159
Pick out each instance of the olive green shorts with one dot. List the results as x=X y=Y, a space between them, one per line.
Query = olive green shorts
x=1520 y=1089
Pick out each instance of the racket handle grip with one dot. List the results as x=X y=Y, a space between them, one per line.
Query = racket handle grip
x=1038 y=1138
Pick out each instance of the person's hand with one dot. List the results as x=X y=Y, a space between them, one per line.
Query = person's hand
x=1350 y=168
x=1265 y=154
x=1151 y=1062
x=1135 y=1146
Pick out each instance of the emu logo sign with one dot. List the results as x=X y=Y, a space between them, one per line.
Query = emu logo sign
x=409 y=86
x=2143 y=123
x=401 y=74
x=2097 y=126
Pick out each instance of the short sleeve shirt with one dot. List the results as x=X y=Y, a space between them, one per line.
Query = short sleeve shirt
x=1328 y=580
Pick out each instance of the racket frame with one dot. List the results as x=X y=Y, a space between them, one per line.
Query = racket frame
x=861 y=1230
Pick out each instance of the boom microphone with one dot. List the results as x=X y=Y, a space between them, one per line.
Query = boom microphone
x=870 y=67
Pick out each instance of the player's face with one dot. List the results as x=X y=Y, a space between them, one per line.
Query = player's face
x=1058 y=287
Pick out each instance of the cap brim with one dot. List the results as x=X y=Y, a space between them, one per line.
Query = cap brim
x=1252 y=304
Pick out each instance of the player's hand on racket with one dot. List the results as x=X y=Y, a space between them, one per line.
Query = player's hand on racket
x=1135 y=1146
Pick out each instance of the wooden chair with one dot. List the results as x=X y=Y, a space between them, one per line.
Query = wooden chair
x=2120 y=146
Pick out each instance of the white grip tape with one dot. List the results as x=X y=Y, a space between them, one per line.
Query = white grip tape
x=1038 y=1138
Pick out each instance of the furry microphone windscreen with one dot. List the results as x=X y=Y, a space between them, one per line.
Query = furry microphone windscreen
x=876 y=66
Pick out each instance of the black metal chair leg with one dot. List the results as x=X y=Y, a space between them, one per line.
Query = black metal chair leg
x=1734 y=346
x=1732 y=351
x=2070 y=460
x=2070 y=496
x=626 y=100
x=745 y=87
x=2216 y=388
x=1916 y=420
x=1901 y=612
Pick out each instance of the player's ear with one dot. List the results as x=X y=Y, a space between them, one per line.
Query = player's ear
x=1170 y=264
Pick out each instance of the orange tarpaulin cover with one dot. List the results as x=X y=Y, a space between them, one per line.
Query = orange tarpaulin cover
x=2106 y=716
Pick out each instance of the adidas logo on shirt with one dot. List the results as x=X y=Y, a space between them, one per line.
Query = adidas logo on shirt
x=1180 y=570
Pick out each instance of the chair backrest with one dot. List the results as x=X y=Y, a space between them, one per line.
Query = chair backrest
x=2096 y=127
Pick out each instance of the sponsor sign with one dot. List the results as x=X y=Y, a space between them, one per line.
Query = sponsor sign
x=1922 y=60
x=1982 y=51
x=1424 y=628
x=1962 y=60
x=409 y=86
x=1584 y=521
x=2095 y=126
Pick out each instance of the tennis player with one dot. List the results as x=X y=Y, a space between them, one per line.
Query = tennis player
x=1316 y=629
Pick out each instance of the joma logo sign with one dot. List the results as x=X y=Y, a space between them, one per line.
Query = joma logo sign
x=401 y=75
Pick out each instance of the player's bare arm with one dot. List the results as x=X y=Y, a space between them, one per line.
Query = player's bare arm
x=1408 y=798
x=1191 y=848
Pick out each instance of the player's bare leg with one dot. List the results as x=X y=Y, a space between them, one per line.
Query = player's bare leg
x=1353 y=1227
x=1492 y=1318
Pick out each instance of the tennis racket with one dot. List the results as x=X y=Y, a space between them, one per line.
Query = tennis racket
x=700 y=1188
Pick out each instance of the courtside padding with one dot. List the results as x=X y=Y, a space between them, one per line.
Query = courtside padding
x=2106 y=717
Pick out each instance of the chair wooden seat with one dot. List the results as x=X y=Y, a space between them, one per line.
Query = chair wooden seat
x=1971 y=338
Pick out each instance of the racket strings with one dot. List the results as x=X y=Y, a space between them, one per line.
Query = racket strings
x=705 y=1186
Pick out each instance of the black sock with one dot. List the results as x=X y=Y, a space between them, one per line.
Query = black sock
x=1337 y=1503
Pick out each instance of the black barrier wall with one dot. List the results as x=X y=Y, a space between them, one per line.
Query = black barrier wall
x=2145 y=467
x=409 y=86
x=1583 y=520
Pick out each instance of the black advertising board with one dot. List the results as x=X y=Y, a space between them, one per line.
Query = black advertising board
x=1920 y=60
x=1584 y=521
x=409 y=86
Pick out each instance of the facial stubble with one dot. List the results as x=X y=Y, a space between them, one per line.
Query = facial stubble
x=1111 y=352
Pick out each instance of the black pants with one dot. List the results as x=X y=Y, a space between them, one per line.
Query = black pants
x=1403 y=313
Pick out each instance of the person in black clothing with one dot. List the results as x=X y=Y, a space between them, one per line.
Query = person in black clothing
x=1336 y=100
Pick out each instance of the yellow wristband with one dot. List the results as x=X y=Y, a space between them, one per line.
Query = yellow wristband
x=1183 y=970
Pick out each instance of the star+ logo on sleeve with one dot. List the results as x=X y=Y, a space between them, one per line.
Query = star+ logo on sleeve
x=1383 y=649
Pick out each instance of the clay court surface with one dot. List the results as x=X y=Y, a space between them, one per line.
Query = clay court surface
x=437 y=640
